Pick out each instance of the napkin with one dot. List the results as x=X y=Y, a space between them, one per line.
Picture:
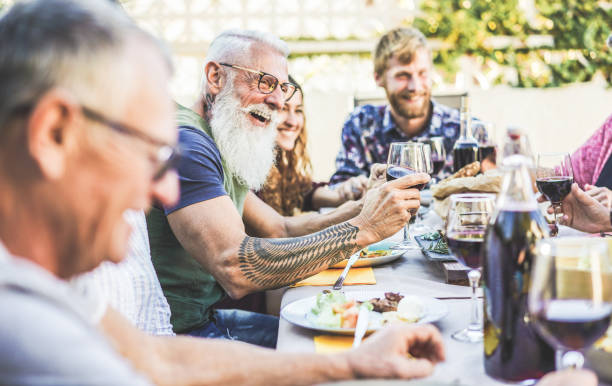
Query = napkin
x=364 y=275
x=329 y=344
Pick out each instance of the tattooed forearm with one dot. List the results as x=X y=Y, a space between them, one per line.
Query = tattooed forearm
x=272 y=263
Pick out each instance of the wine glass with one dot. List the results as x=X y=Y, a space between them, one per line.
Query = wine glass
x=406 y=158
x=516 y=142
x=468 y=217
x=418 y=227
x=567 y=297
x=437 y=155
x=487 y=151
x=554 y=179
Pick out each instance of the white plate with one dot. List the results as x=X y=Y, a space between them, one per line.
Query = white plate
x=371 y=261
x=299 y=312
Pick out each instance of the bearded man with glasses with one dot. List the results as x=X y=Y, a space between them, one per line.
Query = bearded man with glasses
x=221 y=239
x=78 y=148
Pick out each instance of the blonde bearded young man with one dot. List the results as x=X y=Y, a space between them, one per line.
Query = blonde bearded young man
x=221 y=238
x=403 y=67
x=86 y=133
x=68 y=175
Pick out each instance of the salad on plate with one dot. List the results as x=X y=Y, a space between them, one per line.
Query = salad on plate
x=334 y=310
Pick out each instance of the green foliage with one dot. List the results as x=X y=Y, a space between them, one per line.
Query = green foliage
x=579 y=29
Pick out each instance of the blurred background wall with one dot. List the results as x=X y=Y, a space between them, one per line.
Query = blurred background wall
x=538 y=64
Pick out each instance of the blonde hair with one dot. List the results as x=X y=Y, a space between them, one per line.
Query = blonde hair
x=402 y=43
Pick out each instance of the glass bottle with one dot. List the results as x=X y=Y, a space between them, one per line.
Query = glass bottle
x=513 y=351
x=516 y=142
x=465 y=150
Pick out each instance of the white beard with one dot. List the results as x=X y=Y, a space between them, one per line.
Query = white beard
x=248 y=150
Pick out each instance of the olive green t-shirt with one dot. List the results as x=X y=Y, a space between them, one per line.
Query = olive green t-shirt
x=203 y=175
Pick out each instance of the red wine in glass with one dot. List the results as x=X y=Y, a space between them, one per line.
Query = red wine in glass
x=487 y=152
x=438 y=164
x=554 y=178
x=467 y=246
x=573 y=323
x=467 y=220
x=464 y=154
x=395 y=172
x=555 y=189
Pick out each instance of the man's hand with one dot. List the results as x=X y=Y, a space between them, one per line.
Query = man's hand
x=398 y=351
x=601 y=194
x=387 y=208
x=583 y=212
x=353 y=188
x=377 y=175
x=569 y=378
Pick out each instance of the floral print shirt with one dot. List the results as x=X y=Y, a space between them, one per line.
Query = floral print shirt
x=369 y=131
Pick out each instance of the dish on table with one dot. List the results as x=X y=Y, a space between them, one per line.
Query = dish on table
x=327 y=312
x=434 y=247
x=373 y=255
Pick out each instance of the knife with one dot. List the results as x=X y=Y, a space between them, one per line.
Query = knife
x=362 y=325
x=351 y=261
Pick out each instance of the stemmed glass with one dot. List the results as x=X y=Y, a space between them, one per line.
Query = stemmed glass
x=468 y=217
x=437 y=155
x=567 y=296
x=406 y=158
x=487 y=151
x=554 y=178
x=418 y=227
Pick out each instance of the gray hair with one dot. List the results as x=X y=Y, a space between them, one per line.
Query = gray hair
x=233 y=46
x=75 y=45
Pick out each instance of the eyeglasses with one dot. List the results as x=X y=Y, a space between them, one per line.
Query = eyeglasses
x=267 y=82
x=167 y=156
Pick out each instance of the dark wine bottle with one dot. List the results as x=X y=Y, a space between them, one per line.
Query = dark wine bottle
x=513 y=350
x=465 y=150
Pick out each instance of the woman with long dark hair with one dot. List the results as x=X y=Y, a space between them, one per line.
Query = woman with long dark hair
x=290 y=189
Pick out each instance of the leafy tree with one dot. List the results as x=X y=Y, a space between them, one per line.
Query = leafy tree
x=579 y=29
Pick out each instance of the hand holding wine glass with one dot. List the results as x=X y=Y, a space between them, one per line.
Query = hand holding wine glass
x=567 y=304
x=583 y=212
x=406 y=158
x=554 y=178
x=386 y=208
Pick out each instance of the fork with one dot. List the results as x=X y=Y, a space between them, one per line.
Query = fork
x=349 y=264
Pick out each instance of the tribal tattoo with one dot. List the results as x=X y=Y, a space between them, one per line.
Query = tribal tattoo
x=273 y=263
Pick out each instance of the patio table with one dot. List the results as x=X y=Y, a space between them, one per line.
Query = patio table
x=411 y=274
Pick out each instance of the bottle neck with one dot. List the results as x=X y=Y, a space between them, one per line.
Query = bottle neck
x=465 y=122
x=517 y=189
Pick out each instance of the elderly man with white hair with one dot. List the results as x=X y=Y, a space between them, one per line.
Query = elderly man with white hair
x=72 y=162
x=221 y=238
